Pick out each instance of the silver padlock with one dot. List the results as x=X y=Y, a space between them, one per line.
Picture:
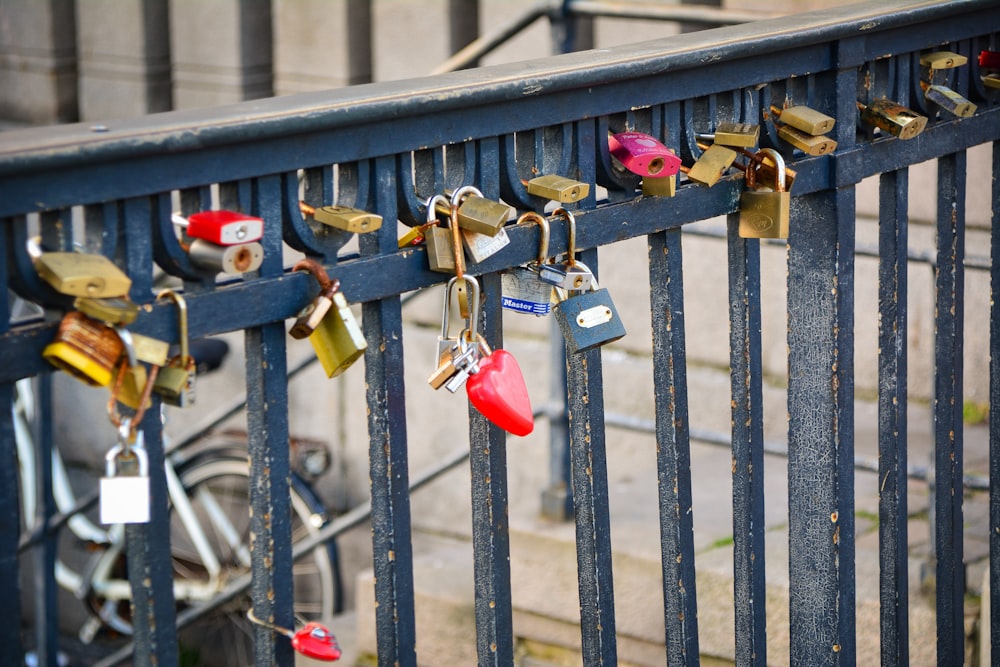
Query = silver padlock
x=125 y=497
x=588 y=319
x=577 y=276
x=482 y=246
x=523 y=290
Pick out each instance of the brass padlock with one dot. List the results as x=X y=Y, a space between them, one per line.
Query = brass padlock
x=805 y=119
x=84 y=348
x=708 y=169
x=659 y=187
x=765 y=212
x=478 y=214
x=991 y=80
x=741 y=135
x=440 y=252
x=112 y=311
x=949 y=100
x=130 y=376
x=894 y=118
x=82 y=274
x=337 y=339
x=349 y=219
x=812 y=145
x=558 y=188
x=175 y=381
x=942 y=60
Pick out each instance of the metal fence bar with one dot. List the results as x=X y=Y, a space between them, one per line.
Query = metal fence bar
x=44 y=558
x=994 y=467
x=673 y=448
x=746 y=372
x=892 y=402
x=820 y=430
x=949 y=287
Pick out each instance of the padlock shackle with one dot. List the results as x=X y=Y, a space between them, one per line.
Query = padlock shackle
x=459 y=195
x=182 y=321
x=779 y=168
x=432 y=210
x=128 y=343
x=117 y=452
x=571 y=241
x=544 y=233
x=472 y=322
x=317 y=271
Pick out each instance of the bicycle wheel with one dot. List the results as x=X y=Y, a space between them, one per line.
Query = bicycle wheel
x=217 y=485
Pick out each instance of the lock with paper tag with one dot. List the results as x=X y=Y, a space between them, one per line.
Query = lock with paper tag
x=222 y=227
x=336 y=336
x=643 y=154
x=124 y=489
x=765 y=212
x=587 y=319
x=522 y=288
x=175 y=383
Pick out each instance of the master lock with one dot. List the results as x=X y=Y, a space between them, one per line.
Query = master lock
x=588 y=319
x=84 y=348
x=336 y=338
x=764 y=212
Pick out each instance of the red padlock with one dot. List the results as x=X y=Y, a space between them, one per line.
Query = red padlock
x=315 y=641
x=643 y=154
x=222 y=227
x=498 y=391
x=989 y=59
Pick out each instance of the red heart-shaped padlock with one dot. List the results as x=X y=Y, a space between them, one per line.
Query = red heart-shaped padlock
x=499 y=393
x=315 y=641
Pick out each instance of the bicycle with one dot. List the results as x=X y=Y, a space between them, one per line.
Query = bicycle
x=209 y=535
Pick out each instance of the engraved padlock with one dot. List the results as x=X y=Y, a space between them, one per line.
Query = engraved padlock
x=128 y=382
x=337 y=339
x=85 y=348
x=221 y=227
x=587 y=319
x=124 y=489
x=481 y=247
x=522 y=290
x=577 y=276
x=232 y=259
x=349 y=219
x=765 y=212
x=82 y=274
x=808 y=143
x=708 y=168
x=558 y=188
x=740 y=135
x=175 y=382
x=893 y=117
x=643 y=154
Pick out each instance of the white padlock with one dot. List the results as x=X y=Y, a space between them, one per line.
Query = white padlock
x=125 y=498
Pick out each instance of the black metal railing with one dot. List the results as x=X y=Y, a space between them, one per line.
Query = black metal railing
x=387 y=147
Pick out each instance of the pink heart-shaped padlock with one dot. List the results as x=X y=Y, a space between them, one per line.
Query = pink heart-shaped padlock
x=499 y=393
x=315 y=641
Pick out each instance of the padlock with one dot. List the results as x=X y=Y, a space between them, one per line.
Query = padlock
x=558 y=188
x=991 y=81
x=447 y=343
x=481 y=247
x=989 y=59
x=175 y=381
x=128 y=382
x=117 y=310
x=764 y=213
x=337 y=340
x=349 y=219
x=82 y=274
x=806 y=119
x=942 y=60
x=497 y=389
x=416 y=235
x=315 y=641
x=665 y=186
x=221 y=227
x=949 y=100
x=125 y=497
x=85 y=348
x=741 y=135
x=522 y=289
x=643 y=154
x=438 y=240
x=894 y=118
x=232 y=259
x=708 y=169
x=587 y=319
x=576 y=276
x=812 y=145
x=460 y=356
x=150 y=350
x=313 y=313
x=475 y=212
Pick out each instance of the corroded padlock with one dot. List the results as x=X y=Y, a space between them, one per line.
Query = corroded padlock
x=893 y=117
x=587 y=319
x=949 y=100
x=942 y=60
x=765 y=212
x=85 y=348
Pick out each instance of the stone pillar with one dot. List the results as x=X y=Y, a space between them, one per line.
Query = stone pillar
x=321 y=44
x=38 y=61
x=124 y=62
x=221 y=50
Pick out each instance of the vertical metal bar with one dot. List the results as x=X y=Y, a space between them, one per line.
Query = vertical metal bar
x=44 y=557
x=821 y=429
x=746 y=374
x=585 y=403
x=490 y=526
x=949 y=285
x=673 y=448
x=11 y=652
x=557 y=498
x=570 y=32
x=994 y=600
x=392 y=551
x=892 y=404
x=270 y=469
x=359 y=42
x=463 y=25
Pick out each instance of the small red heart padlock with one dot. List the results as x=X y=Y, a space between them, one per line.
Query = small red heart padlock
x=315 y=641
x=498 y=391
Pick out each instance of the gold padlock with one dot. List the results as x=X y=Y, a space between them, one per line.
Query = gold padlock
x=558 y=188
x=130 y=377
x=117 y=310
x=82 y=274
x=812 y=145
x=991 y=80
x=476 y=213
x=665 y=186
x=349 y=219
x=337 y=339
x=894 y=118
x=765 y=213
x=708 y=169
x=440 y=252
x=805 y=119
x=175 y=381
x=741 y=135
x=942 y=60
x=84 y=348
